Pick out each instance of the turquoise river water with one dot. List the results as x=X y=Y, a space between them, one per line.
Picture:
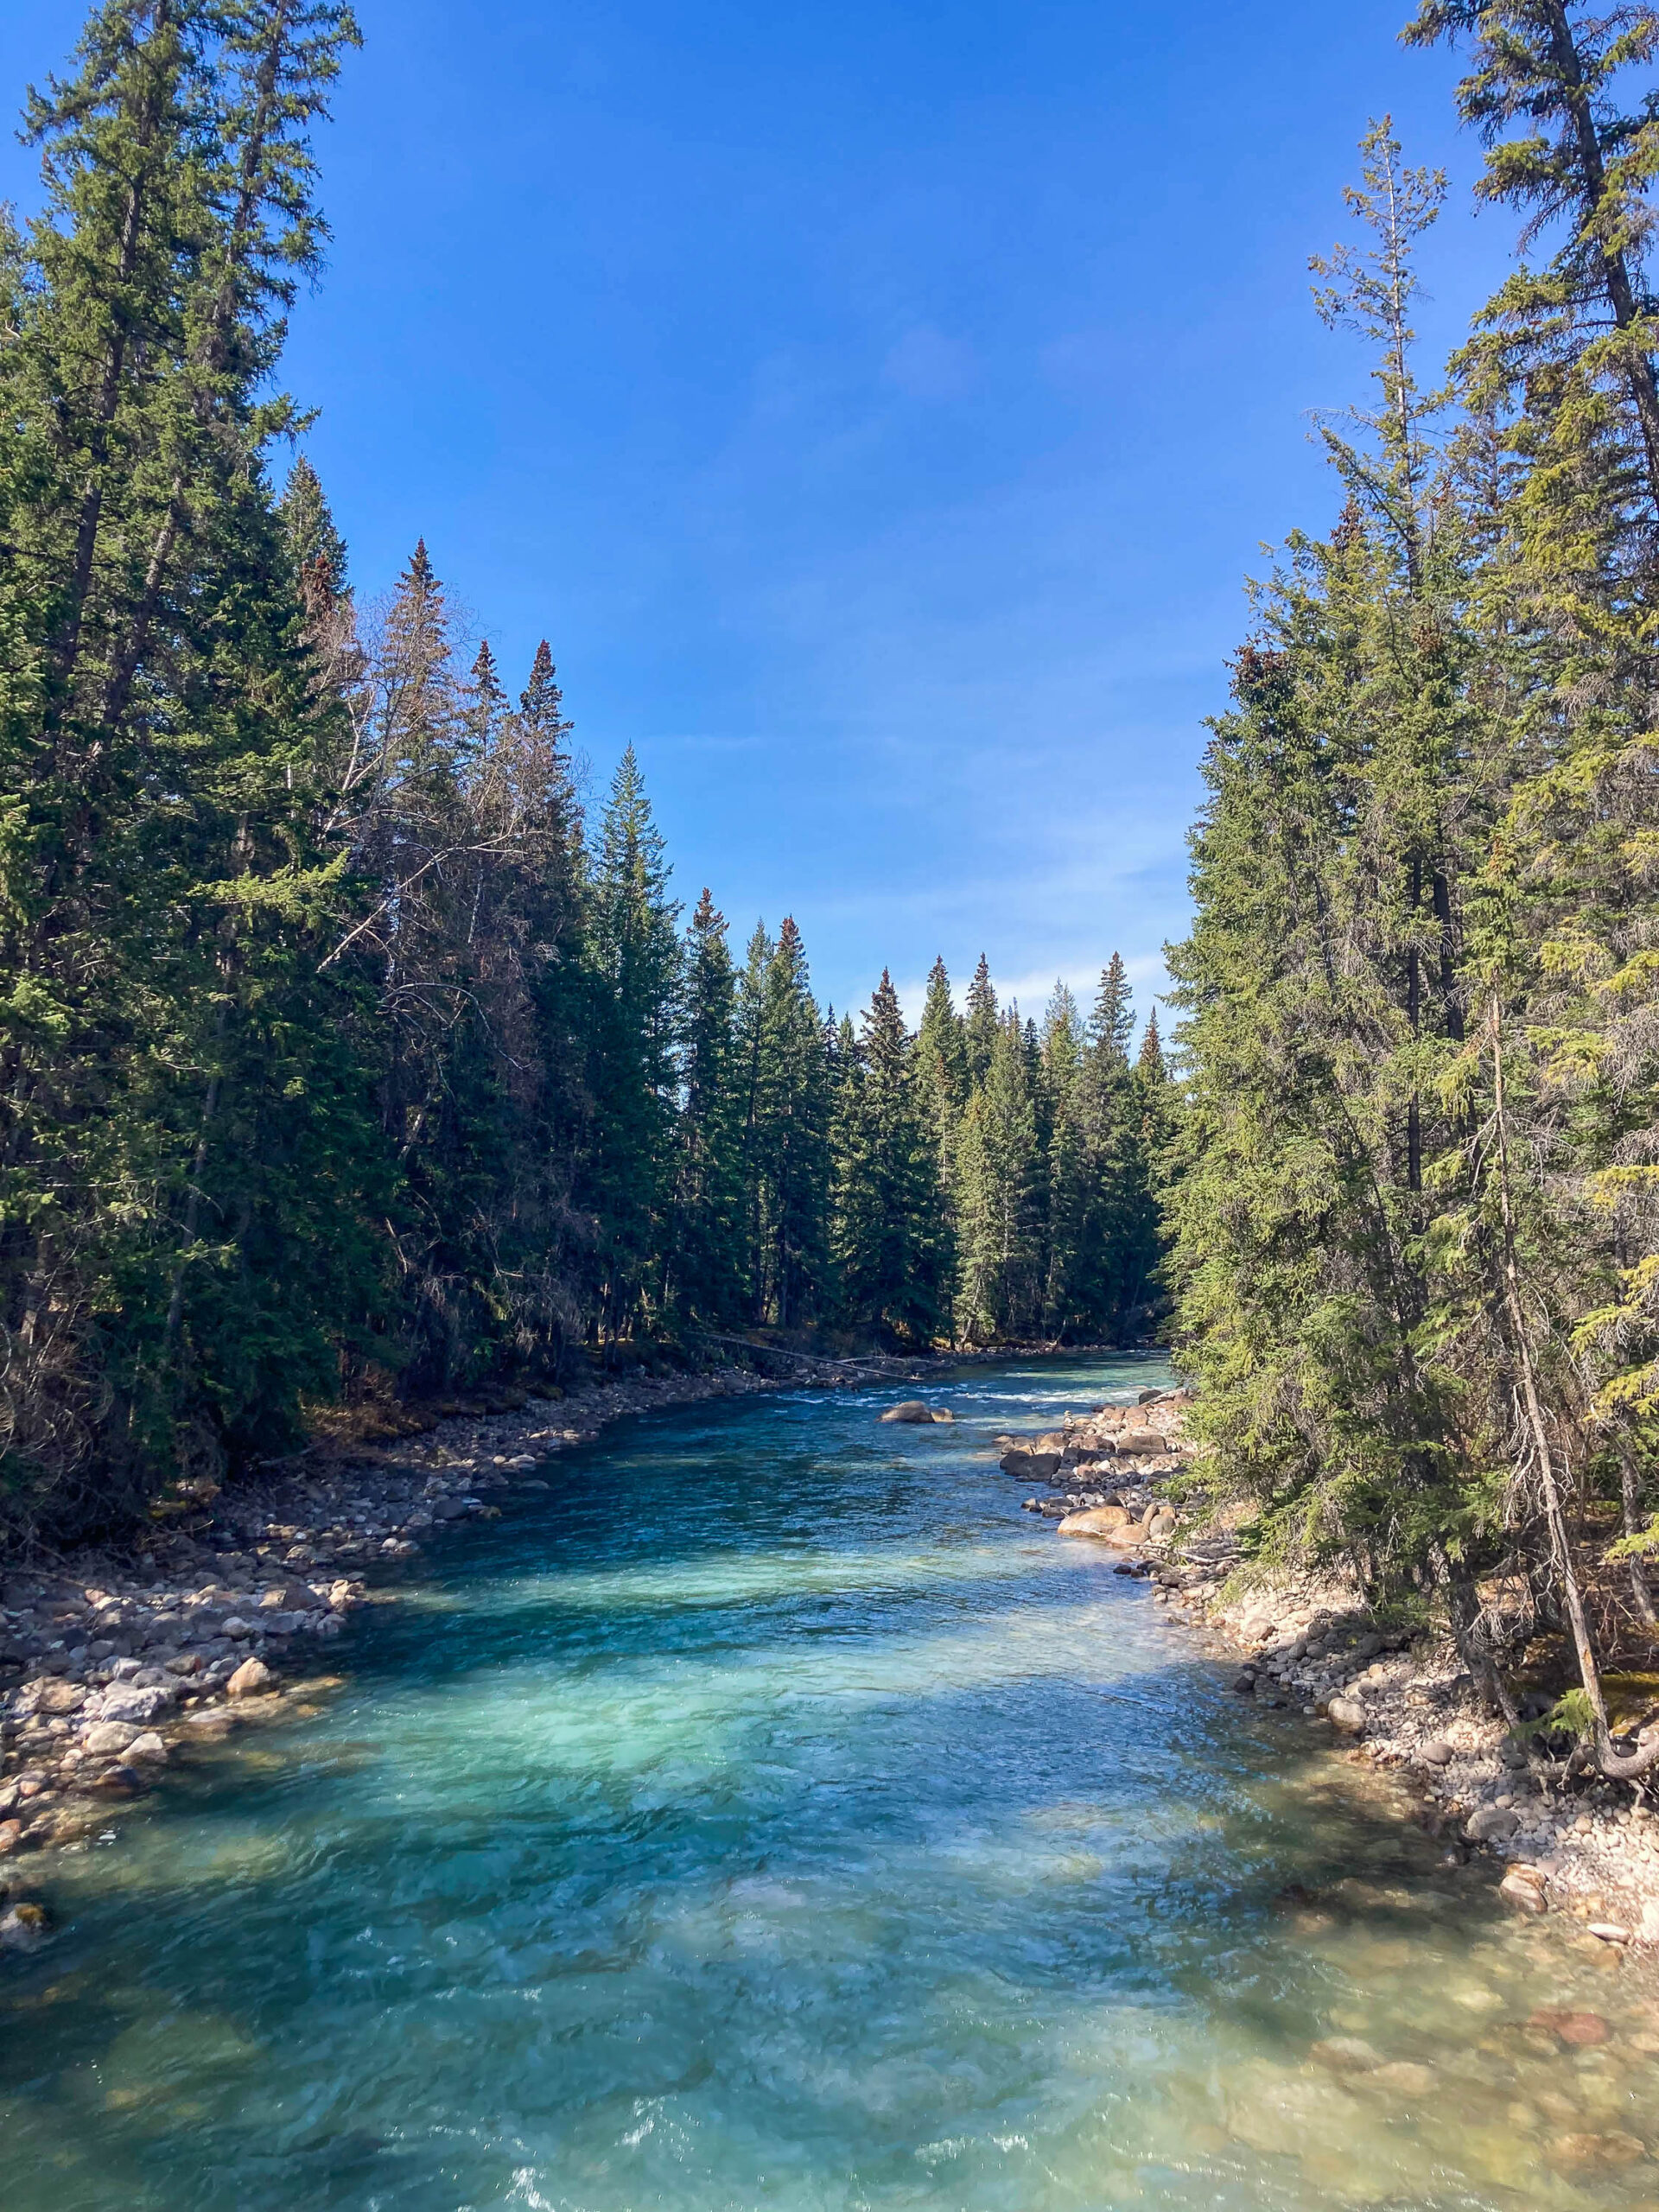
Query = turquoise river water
x=773 y=1816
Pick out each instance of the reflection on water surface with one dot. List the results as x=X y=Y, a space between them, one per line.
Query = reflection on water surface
x=771 y=1815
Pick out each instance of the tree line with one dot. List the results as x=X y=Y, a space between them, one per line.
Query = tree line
x=341 y=1052
x=1414 y=1196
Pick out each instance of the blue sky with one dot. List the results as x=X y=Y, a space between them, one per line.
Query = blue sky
x=878 y=407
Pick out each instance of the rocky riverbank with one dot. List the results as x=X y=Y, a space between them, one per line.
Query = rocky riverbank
x=1570 y=1842
x=115 y=1662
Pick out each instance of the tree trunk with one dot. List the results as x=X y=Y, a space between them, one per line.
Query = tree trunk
x=1617 y=1765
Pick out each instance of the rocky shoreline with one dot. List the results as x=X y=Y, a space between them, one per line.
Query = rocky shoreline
x=1569 y=1844
x=117 y=1661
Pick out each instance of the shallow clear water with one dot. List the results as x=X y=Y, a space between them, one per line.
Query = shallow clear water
x=773 y=1815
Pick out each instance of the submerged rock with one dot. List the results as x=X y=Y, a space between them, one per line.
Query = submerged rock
x=214 y=1720
x=1407 y=2075
x=1347 y=2055
x=1582 y=2031
x=120 y=1781
x=25 y=1928
x=1607 y=2153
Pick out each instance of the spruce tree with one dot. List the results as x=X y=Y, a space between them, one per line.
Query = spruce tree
x=1111 y=1018
x=314 y=544
x=1581 y=331
x=888 y=1198
x=637 y=955
x=793 y=1111
x=164 y=889
x=999 y=1214
x=1322 y=982
x=750 y=1058
x=1069 y=1207
x=942 y=1079
x=706 y=1253
x=980 y=1028
x=1120 y=1236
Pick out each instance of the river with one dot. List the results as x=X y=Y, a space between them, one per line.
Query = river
x=774 y=1816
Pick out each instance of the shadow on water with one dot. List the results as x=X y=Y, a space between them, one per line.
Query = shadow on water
x=772 y=1814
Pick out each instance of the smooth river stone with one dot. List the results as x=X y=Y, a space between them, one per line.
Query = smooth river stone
x=104 y=1738
x=1096 y=1521
x=1491 y=1824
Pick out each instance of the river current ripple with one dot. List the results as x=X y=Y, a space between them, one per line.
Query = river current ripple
x=773 y=1816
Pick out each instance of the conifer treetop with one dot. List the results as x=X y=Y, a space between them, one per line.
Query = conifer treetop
x=1111 y=1020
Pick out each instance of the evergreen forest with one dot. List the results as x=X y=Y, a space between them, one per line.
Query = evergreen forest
x=350 y=1049
x=1415 y=1194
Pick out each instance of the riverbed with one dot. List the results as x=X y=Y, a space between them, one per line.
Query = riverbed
x=771 y=1814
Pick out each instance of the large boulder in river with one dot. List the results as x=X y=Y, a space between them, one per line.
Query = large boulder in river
x=911 y=1411
x=1096 y=1521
